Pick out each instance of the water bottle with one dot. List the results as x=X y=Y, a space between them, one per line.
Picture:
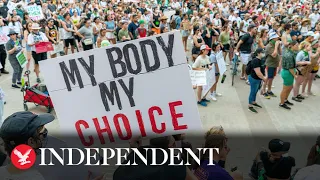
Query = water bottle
x=22 y=82
x=223 y=78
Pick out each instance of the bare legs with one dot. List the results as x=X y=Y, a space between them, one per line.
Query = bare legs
x=297 y=84
x=285 y=93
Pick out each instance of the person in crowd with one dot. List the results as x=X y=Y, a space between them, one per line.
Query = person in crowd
x=3 y=52
x=97 y=25
x=102 y=40
x=34 y=38
x=302 y=62
x=14 y=47
x=257 y=74
x=286 y=37
x=273 y=54
x=207 y=35
x=53 y=35
x=314 y=154
x=295 y=32
x=185 y=30
x=111 y=27
x=202 y=63
x=197 y=42
x=141 y=31
x=224 y=40
x=155 y=21
x=245 y=46
x=69 y=30
x=26 y=33
x=123 y=34
x=216 y=53
x=288 y=73
x=163 y=21
x=273 y=164
x=2 y=100
x=24 y=128
x=204 y=171
x=16 y=26
x=133 y=26
x=86 y=35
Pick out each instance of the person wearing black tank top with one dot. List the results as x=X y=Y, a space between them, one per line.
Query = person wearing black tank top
x=53 y=35
x=156 y=21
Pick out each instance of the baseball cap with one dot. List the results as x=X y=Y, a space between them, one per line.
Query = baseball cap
x=273 y=35
x=206 y=47
x=310 y=33
x=314 y=42
x=23 y=124
x=277 y=145
x=251 y=26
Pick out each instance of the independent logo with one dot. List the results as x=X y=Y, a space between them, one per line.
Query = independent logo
x=23 y=157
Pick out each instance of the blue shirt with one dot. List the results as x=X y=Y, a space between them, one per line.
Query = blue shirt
x=132 y=28
x=110 y=25
x=206 y=172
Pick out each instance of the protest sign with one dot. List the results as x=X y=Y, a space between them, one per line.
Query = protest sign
x=4 y=31
x=211 y=79
x=136 y=88
x=198 y=78
x=21 y=59
x=221 y=63
x=35 y=12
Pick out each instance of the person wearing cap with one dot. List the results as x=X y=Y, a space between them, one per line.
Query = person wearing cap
x=202 y=63
x=295 y=32
x=34 y=38
x=276 y=163
x=309 y=37
x=244 y=46
x=14 y=47
x=312 y=69
x=273 y=50
x=163 y=21
x=24 y=128
x=305 y=27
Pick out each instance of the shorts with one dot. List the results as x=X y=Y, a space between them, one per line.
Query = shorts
x=287 y=77
x=226 y=48
x=110 y=35
x=245 y=57
x=272 y=72
x=68 y=42
x=28 y=48
x=38 y=57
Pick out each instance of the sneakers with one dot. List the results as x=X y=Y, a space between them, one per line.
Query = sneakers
x=266 y=95
x=311 y=94
x=202 y=103
x=257 y=105
x=296 y=99
x=251 y=109
x=19 y=83
x=288 y=103
x=270 y=93
x=227 y=64
x=218 y=94
x=213 y=97
x=305 y=95
x=247 y=82
x=15 y=86
x=205 y=100
x=38 y=80
x=300 y=96
x=284 y=106
x=243 y=78
x=4 y=72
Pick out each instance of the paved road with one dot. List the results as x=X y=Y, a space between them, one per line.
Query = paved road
x=230 y=111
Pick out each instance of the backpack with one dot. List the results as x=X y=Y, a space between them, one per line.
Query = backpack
x=173 y=23
x=249 y=68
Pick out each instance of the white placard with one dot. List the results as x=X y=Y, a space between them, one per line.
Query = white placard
x=211 y=79
x=35 y=12
x=221 y=63
x=136 y=88
x=198 y=78
x=4 y=31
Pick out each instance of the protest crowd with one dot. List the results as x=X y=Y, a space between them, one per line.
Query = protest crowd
x=267 y=38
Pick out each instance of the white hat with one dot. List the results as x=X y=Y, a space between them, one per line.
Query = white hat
x=310 y=33
x=273 y=35
x=35 y=26
x=262 y=4
x=295 y=16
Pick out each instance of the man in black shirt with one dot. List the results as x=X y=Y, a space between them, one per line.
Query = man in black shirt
x=245 y=47
x=3 y=54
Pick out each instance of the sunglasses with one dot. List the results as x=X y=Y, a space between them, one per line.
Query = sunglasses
x=44 y=134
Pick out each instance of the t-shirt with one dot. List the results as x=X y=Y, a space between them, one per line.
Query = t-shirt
x=295 y=33
x=205 y=172
x=201 y=62
x=302 y=56
x=10 y=45
x=123 y=33
x=255 y=63
x=247 y=43
x=280 y=169
x=271 y=61
x=17 y=27
x=32 y=38
x=28 y=174
x=132 y=29
x=87 y=32
x=207 y=40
